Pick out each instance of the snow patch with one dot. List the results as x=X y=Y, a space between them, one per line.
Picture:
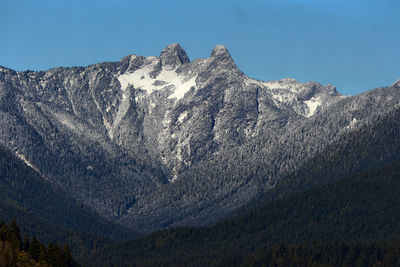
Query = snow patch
x=141 y=79
x=182 y=143
x=182 y=87
x=175 y=175
x=288 y=84
x=152 y=105
x=122 y=110
x=352 y=124
x=283 y=96
x=312 y=105
x=284 y=91
x=354 y=121
x=27 y=162
x=182 y=116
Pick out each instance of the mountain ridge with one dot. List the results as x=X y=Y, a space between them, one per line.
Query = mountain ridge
x=358 y=208
x=152 y=142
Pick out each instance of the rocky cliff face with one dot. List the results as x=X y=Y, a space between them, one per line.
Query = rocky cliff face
x=159 y=141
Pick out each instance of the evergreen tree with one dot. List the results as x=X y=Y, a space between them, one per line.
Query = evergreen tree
x=68 y=257
x=13 y=235
x=25 y=242
x=31 y=254
x=35 y=248
x=3 y=230
x=54 y=255
x=5 y=259
x=42 y=254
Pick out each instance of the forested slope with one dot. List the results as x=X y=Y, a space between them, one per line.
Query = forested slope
x=362 y=208
x=372 y=146
x=49 y=214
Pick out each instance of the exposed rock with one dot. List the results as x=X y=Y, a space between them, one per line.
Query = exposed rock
x=160 y=141
x=173 y=55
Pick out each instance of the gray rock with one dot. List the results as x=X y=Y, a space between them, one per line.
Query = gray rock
x=158 y=141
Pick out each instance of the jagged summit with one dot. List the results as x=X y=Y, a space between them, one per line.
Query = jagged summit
x=174 y=55
x=152 y=139
x=221 y=56
x=315 y=88
x=220 y=51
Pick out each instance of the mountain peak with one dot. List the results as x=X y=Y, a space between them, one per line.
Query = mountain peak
x=221 y=55
x=174 y=55
x=220 y=50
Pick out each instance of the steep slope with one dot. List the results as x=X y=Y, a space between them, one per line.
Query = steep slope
x=358 y=208
x=233 y=177
x=40 y=127
x=159 y=141
x=355 y=209
x=369 y=147
x=41 y=210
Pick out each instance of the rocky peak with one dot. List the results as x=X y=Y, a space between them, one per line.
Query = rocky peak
x=331 y=90
x=131 y=63
x=173 y=55
x=221 y=56
x=220 y=51
x=314 y=88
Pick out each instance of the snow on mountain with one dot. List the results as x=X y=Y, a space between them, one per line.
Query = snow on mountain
x=166 y=79
x=170 y=141
x=312 y=105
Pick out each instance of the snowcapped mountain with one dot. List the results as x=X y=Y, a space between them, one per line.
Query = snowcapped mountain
x=180 y=99
x=160 y=141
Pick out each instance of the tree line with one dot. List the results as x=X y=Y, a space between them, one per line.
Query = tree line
x=19 y=250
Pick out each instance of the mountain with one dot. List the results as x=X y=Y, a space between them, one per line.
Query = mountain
x=49 y=214
x=344 y=217
x=153 y=142
x=371 y=146
x=347 y=193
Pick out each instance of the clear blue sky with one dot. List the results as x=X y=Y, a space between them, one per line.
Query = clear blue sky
x=354 y=45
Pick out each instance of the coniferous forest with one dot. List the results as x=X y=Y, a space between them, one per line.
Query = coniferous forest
x=119 y=164
x=351 y=222
x=17 y=249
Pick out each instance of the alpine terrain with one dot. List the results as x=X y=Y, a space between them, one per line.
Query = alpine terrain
x=155 y=142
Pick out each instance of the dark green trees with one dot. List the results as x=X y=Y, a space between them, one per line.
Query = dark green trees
x=17 y=251
x=13 y=235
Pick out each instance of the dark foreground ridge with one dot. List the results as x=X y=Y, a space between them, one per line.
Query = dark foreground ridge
x=18 y=250
x=351 y=222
